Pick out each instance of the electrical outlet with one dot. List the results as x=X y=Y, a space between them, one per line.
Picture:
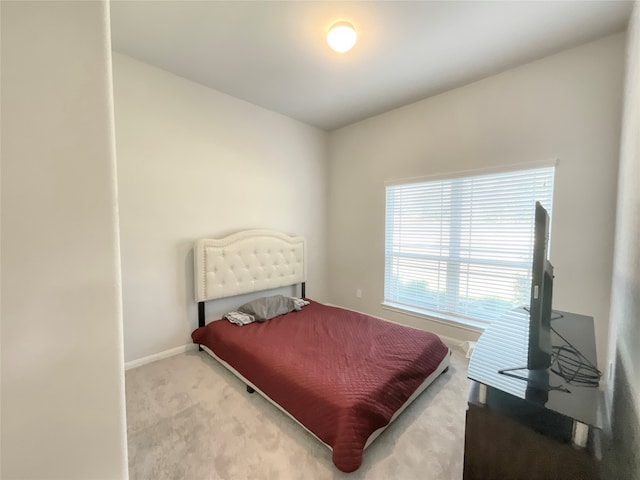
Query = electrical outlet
x=358 y=293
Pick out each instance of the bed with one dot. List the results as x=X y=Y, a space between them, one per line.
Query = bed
x=342 y=375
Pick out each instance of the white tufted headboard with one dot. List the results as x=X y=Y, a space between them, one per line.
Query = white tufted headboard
x=247 y=261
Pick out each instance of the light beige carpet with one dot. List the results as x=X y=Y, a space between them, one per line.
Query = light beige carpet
x=189 y=418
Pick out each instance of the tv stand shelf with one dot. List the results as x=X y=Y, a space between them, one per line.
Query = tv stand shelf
x=524 y=424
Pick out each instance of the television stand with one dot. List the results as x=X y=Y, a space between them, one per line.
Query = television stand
x=530 y=424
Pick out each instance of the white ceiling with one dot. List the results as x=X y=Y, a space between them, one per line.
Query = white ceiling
x=274 y=54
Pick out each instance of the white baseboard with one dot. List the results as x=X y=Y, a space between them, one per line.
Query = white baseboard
x=450 y=342
x=159 y=356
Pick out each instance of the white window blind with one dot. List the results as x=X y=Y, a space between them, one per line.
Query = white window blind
x=462 y=247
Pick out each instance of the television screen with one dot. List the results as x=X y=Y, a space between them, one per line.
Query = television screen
x=539 y=352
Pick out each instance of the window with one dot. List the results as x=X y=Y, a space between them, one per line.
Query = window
x=461 y=248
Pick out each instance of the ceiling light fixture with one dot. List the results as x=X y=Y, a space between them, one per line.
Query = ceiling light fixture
x=342 y=37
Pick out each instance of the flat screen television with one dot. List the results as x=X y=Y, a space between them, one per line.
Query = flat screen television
x=539 y=351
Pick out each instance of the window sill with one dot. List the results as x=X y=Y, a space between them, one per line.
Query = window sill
x=465 y=323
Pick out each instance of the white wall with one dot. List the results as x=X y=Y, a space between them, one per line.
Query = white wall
x=193 y=162
x=566 y=106
x=63 y=413
x=625 y=301
x=624 y=393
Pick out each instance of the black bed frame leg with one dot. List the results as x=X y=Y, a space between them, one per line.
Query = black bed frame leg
x=201 y=321
x=249 y=389
x=201 y=314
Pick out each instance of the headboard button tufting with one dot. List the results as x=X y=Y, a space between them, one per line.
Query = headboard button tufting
x=247 y=261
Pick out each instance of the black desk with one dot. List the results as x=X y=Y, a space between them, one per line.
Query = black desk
x=530 y=424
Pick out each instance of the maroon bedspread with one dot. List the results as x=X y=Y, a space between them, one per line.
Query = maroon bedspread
x=339 y=373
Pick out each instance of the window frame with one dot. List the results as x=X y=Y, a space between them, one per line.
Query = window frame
x=468 y=323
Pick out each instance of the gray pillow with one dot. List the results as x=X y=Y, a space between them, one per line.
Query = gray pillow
x=266 y=308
